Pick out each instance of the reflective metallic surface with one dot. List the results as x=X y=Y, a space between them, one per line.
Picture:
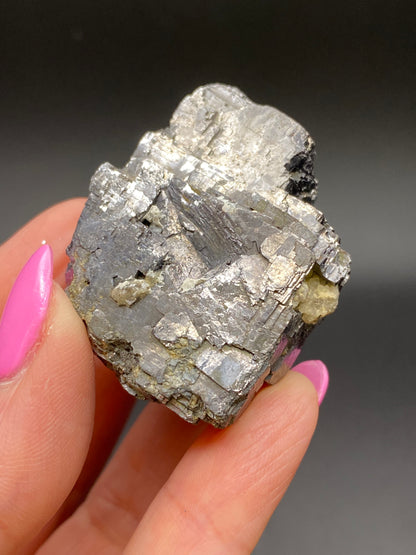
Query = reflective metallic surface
x=201 y=266
x=80 y=84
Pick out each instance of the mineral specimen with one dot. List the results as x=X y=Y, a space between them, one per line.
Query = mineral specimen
x=201 y=266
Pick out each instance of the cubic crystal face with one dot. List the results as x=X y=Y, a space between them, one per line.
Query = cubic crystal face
x=201 y=266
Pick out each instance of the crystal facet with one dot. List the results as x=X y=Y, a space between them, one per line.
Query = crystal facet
x=201 y=266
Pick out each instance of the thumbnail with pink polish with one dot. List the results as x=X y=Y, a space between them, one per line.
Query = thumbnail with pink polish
x=317 y=373
x=25 y=311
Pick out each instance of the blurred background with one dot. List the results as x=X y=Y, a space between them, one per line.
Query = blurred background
x=80 y=82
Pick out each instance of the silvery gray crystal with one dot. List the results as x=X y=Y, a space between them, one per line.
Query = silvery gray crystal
x=200 y=267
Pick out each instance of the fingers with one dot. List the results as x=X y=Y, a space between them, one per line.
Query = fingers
x=46 y=412
x=112 y=408
x=225 y=488
x=119 y=499
x=236 y=476
x=56 y=225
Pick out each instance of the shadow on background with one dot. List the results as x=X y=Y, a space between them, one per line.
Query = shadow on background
x=80 y=83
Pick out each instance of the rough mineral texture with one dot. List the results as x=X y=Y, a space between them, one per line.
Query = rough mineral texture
x=201 y=266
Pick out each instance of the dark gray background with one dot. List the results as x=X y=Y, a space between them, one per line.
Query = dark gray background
x=81 y=81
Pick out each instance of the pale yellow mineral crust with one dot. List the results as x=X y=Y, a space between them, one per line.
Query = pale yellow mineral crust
x=316 y=298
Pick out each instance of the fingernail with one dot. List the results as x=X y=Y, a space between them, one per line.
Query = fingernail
x=25 y=311
x=317 y=373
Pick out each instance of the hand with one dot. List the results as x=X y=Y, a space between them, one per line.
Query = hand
x=171 y=487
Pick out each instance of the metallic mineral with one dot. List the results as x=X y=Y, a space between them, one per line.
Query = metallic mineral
x=201 y=266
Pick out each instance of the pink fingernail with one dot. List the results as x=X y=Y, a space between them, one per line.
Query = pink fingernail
x=25 y=311
x=317 y=373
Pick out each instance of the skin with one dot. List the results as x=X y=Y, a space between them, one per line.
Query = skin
x=171 y=487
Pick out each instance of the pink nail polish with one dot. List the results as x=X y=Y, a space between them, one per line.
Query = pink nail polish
x=25 y=311
x=317 y=373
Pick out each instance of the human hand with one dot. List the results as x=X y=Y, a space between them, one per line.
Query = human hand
x=171 y=487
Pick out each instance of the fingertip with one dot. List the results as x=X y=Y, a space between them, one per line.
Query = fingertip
x=317 y=373
x=291 y=404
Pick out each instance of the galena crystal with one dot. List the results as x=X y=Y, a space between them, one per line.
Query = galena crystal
x=201 y=266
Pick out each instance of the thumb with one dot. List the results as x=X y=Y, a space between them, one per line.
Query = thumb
x=46 y=402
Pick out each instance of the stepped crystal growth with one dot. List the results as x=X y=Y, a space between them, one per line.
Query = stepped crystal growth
x=201 y=266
